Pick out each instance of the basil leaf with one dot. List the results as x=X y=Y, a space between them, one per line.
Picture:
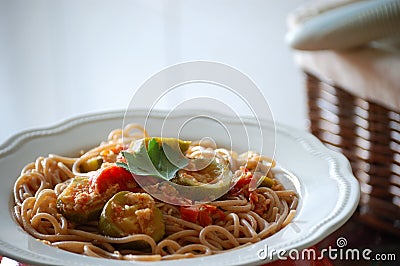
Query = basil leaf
x=158 y=160
x=154 y=152
x=123 y=165
x=171 y=164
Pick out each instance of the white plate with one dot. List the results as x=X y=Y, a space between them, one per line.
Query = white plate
x=329 y=193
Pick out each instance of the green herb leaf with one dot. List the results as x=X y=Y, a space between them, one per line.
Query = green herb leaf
x=154 y=152
x=157 y=160
x=170 y=165
x=123 y=165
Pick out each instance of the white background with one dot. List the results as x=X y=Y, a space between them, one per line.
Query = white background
x=63 y=58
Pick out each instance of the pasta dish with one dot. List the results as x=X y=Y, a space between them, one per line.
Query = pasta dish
x=137 y=197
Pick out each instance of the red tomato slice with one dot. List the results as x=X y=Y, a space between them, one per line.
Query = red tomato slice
x=241 y=186
x=202 y=214
x=205 y=215
x=111 y=176
x=189 y=213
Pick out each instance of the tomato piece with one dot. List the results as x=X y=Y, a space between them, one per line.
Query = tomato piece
x=111 y=176
x=202 y=214
x=242 y=185
x=217 y=214
x=205 y=215
x=189 y=213
x=209 y=213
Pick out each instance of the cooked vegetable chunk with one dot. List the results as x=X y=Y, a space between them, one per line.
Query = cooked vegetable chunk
x=203 y=180
x=204 y=171
x=79 y=203
x=84 y=198
x=267 y=182
x=92 y=164
x=129 y=213
x=183 y=144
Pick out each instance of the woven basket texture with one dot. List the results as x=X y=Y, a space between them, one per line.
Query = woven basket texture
x=368 y=134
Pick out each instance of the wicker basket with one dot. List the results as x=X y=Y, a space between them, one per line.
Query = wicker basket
x=368 y=134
